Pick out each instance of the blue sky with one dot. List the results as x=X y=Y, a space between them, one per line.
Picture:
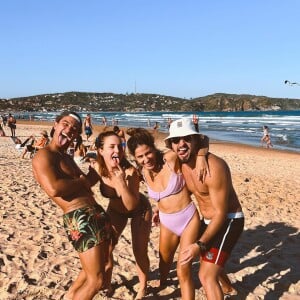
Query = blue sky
x=170 y=47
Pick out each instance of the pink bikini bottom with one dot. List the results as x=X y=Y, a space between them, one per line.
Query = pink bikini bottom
x=177 y=222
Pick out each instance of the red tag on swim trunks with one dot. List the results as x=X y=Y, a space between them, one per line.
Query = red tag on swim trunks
x=215 y=256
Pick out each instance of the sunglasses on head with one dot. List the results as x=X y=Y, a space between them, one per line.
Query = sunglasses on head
x=187 y=138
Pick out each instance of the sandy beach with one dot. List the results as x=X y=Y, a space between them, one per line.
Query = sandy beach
x=38 y=262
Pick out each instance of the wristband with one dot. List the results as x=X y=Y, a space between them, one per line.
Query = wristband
x=202 y=246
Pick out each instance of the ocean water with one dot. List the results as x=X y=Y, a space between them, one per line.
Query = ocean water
x=241 y=127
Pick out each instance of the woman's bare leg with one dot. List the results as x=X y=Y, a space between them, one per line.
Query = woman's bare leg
x=168 y=243
x=118 y=223
x=188 y=237
x=140 y=230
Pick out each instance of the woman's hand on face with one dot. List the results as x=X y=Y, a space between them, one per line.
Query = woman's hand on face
x=118 y=173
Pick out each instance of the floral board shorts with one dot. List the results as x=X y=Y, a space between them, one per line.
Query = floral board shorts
x=87 y=227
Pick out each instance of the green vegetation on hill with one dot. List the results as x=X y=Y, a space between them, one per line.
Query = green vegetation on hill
x=79 y=101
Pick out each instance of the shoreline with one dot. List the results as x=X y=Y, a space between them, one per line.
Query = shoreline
x=238 y=127
x=38 y=262
x=160 y=135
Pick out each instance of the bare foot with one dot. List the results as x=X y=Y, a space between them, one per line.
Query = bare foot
x=229 y=292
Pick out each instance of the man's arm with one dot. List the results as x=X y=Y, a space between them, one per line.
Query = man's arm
x=202 y=168
x=45 y=170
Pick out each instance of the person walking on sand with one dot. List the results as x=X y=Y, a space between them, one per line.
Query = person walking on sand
x=11 y=123
x=177 y=214
x=223 y=219
x=86 y=223
x=155 y=129
x=119 y=182
x=121 y=134
x=2 y=132
x=196 y=122
x=266 y=137
x=88 y=128
x=169 y=121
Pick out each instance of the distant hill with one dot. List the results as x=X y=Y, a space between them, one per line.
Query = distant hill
x=79 y=101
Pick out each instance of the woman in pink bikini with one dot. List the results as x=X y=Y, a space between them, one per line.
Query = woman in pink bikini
x=177 y=214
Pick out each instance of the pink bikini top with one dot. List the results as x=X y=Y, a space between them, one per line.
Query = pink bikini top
x=175 y=185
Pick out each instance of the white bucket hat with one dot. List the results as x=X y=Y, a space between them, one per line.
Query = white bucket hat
x=181 y=127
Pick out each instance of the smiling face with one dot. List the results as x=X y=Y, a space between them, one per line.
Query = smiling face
x=145 y=157
x=111 y=151
x=183 y=147
x=66 y=130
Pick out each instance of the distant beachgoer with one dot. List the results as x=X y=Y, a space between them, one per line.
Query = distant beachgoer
x=91 y=158
x=155 y=128
x=17 y=141
x=119 y=182
x=37 y=144
x=86 y=223
x=4 y=120
x=11 y=123
x=88 y=128
x=79 y=150
x=104 y=121
x=29 y=141
x=266 y=138
x=196 y=122
x=121 y=134
x=169 y=121
x=2 y=132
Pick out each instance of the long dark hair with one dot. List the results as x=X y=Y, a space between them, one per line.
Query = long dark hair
x=101 y=167
x=139 y=137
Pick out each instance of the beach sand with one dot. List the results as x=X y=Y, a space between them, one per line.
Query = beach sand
x=38 y=262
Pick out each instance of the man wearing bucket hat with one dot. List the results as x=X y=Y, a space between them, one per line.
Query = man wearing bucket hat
x=223 y=219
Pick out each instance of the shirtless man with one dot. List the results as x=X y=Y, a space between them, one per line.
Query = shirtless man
x=121 y=134
x=86 y=223
x=223 y=219
x=88 y=128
